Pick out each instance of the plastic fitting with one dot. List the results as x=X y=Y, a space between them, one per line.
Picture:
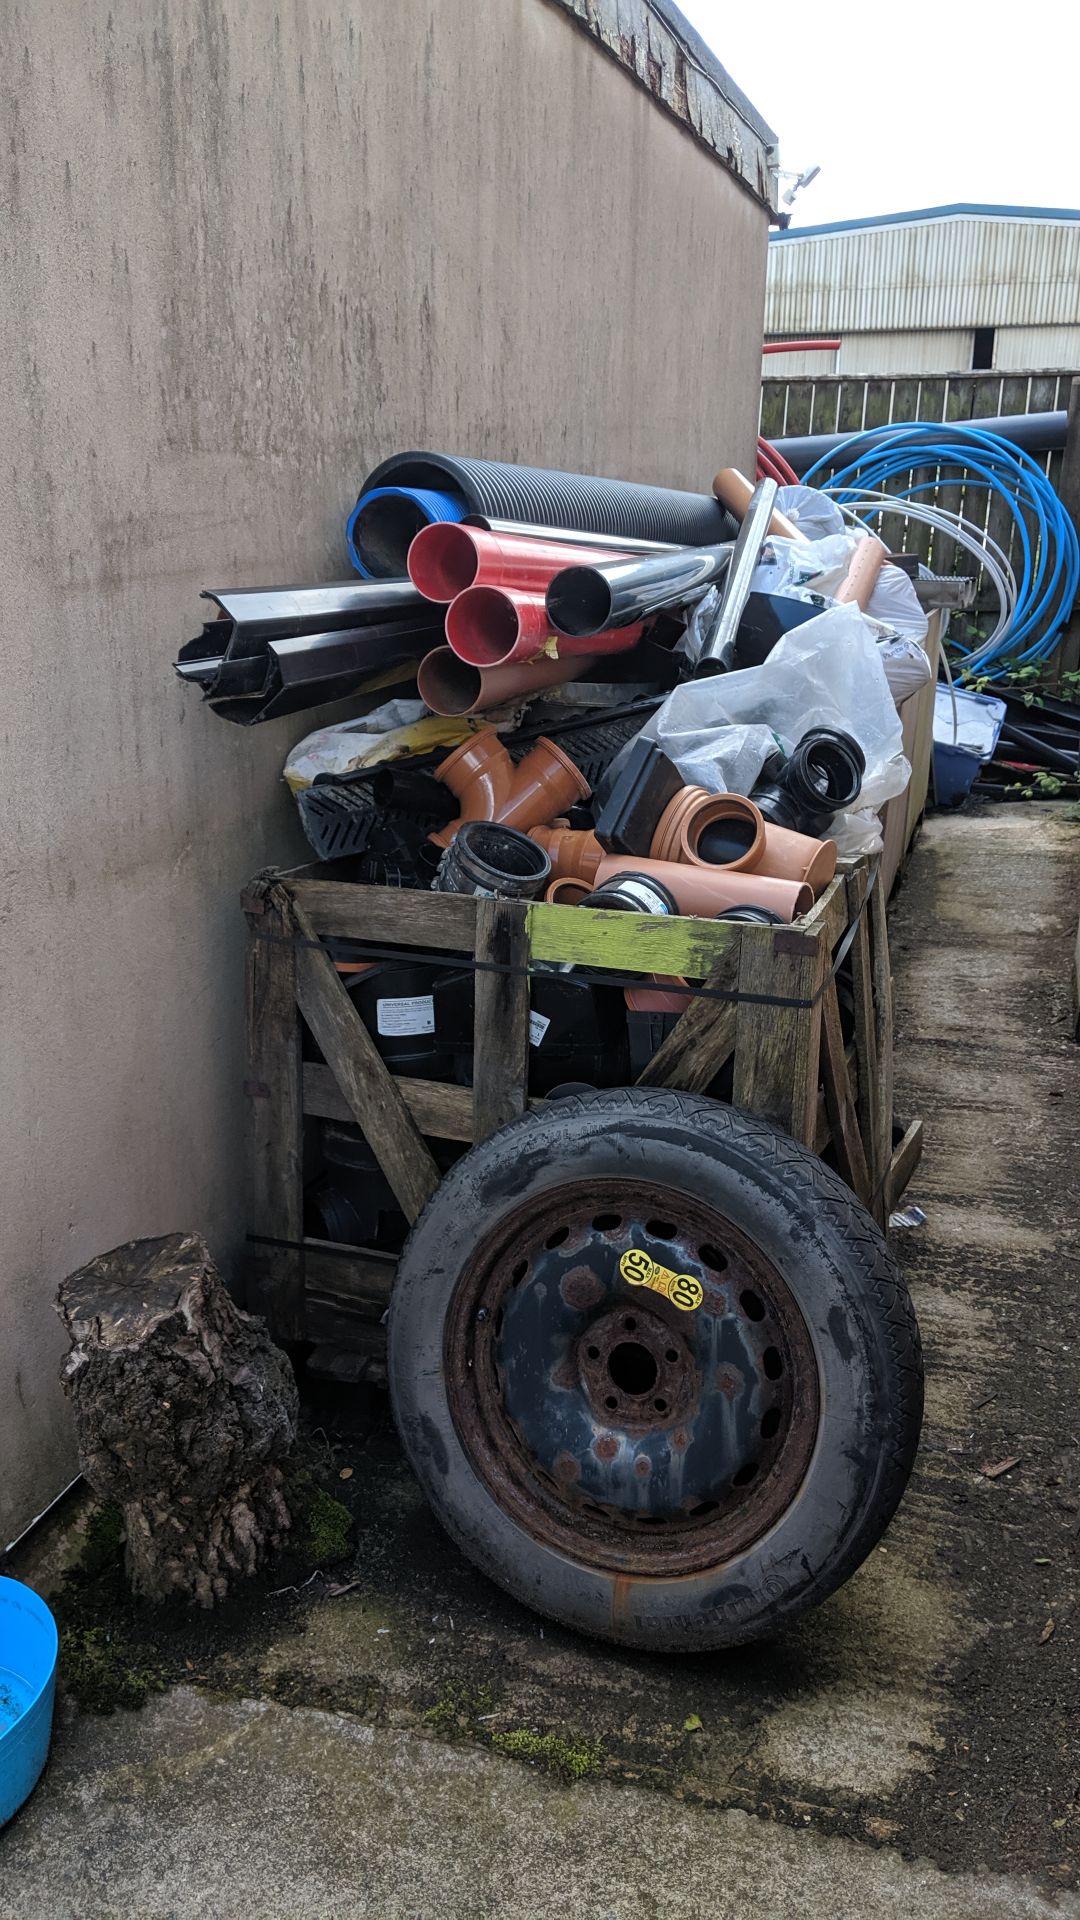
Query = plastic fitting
x=727 y=830
x=574 y=854
x=487 y=784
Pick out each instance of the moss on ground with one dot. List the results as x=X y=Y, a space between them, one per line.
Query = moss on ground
x=460 y=1711
x=328 y=1528
x=102 y=1671
x=566 y=1759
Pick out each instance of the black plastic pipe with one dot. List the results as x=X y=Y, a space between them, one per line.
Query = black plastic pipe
x=1033 y=432
x=543 y=497
x=587 y=600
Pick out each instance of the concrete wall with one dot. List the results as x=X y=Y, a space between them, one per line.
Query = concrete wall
x=245 y=253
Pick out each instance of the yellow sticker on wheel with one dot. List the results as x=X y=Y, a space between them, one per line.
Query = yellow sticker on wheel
x=638 y=1269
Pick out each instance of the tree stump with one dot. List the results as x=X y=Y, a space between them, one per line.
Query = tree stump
x=184 y=1410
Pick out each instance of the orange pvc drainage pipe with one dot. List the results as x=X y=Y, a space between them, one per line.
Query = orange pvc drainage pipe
x=451 y=686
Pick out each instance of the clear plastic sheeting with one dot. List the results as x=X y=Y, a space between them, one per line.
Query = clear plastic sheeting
x=826 y=673
x=815 y=515
x=907 y=667
x=815 y=570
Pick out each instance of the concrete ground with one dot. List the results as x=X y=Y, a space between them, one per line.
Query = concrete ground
x=402 y=1748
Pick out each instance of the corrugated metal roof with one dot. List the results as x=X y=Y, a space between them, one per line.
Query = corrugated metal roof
x=653 y=41
x=931 y=213
x=944 y=270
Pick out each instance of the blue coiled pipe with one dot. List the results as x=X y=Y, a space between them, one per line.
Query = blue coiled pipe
x=1049 y=575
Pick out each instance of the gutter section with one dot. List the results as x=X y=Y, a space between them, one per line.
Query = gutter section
x=653 y=42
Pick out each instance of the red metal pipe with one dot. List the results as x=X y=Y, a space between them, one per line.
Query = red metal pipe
x=494 y=626
x=446 y=557
x=801 y=346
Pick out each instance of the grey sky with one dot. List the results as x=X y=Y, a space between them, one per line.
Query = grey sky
x=911 y=106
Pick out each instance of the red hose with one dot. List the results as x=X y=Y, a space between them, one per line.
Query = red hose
x=772 y=465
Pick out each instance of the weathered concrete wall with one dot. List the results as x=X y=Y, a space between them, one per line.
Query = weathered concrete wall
x=244 y=255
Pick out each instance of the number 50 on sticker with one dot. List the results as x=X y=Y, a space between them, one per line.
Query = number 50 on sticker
x=638 y=1269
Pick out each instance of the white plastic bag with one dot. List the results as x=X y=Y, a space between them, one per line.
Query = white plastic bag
x=815 y=515
x=907 y=668
x=826 y=673
x=814 y=571
x=343 y=748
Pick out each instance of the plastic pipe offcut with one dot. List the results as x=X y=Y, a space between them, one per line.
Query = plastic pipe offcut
x=451 y=686
x=593 y=597
x=492 y=626
x=542 y=497
x=445 y=558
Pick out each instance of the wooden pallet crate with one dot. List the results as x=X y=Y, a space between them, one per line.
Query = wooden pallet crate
x=769 y=1005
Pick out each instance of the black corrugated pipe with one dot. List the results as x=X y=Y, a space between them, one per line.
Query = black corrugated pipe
x=1033 y=432
x=587 y=600
x=544 y=497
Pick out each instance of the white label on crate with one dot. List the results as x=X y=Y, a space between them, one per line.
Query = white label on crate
x=414 y=1014
x=538 y=1026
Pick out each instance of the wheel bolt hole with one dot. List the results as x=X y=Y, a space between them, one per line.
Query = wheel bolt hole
x=773 y=1363
x=632 y=1367
x=593 y=1353
x=661 y=1229
x=671 y=1356
x=630 y=1323
x=660 y=1405
x=752 y=1305
x=770 y=1423
x=611 y=1401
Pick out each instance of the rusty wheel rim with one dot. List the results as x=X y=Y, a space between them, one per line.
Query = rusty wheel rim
x=632 y=1378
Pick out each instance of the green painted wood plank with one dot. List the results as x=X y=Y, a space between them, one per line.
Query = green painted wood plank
x=628 y=942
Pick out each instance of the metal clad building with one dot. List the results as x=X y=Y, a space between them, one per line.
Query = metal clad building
x=940 y=290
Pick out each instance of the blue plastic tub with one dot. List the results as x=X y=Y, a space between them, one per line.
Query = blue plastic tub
x=960 y=750
x=28 y=1644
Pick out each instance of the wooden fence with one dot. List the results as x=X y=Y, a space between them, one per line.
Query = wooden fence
x=837 y=403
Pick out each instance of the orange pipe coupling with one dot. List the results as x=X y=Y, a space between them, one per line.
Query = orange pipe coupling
x=751 y=843
x=483 y=778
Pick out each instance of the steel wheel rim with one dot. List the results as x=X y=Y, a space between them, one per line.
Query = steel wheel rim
x=611 y=1417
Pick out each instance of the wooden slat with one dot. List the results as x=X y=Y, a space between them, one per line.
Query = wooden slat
x=356 y=1273
x=501 y=1021
x=369 y=1089
x=440 y=1110
x=883 y=1046
x=903 y=1164
x=640 y=943
x=275 y=1124
x=862 y=988
x=829 y=913
x=702 y=1039
x=777 y=1048
x=395 y=915
x=843 y=1126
